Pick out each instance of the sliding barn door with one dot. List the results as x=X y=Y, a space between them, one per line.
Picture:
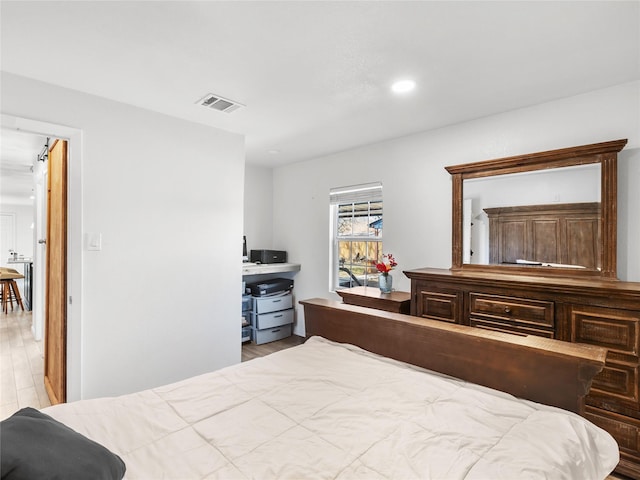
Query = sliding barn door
x=55 y=363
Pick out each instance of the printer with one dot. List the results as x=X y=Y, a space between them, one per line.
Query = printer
x=269 y=287
x=269 y=256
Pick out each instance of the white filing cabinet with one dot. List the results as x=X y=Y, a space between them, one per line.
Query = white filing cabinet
x=271 y=318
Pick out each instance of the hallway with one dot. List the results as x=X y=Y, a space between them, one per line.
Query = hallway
x=21 y=365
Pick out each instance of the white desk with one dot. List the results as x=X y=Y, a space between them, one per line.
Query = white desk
x=265 y=268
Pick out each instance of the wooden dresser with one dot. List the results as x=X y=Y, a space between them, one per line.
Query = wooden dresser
x=600 y=312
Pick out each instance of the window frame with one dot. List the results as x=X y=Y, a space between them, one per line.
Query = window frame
x=370 y=193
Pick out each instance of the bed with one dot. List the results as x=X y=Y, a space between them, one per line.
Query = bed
x=356 y=401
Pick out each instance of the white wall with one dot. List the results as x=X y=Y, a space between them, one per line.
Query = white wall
x=417 y=189
x=23 y=215
x=629 y=214
x=559 y=185
x=160 y=301
x=258 y=207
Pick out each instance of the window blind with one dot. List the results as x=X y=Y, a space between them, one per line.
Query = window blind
x=367 y=192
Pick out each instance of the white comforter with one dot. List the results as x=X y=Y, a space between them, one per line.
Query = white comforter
x=324 y=410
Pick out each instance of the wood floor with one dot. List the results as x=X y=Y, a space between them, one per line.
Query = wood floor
x=22 y=362
x=251 y=350
x=21 y=365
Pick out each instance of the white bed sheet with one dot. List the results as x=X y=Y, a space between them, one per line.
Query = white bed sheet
x=326 y=410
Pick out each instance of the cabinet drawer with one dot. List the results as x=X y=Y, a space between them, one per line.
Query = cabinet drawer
x=626 y=432
x=617 y=380
x=523 y=310
x=246 y=303
x=440 y=305
x=274 y=319
x=511 y=327
x=616 y=330
x=272 y=304
x=271 y=334
x=246 y=334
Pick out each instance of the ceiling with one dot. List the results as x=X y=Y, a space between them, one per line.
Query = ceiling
x=18 y=153
x=314 y=76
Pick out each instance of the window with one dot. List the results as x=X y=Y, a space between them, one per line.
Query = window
x=356 y=226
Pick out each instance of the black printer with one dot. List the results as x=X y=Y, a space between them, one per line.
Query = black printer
x=269 y=256
x=269 y=287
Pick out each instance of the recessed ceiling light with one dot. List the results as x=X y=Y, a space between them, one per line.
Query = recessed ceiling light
x=403 y=86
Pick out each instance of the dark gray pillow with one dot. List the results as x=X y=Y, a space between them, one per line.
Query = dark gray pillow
x=35 y=446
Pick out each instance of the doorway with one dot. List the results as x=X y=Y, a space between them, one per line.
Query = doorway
x=34 y=177
x=70 y=364
x=18 y=155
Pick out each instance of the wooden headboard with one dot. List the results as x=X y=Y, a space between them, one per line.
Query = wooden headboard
x=563 y=233
x=539 y=369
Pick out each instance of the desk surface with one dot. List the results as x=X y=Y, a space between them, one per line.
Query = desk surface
x=264 y=268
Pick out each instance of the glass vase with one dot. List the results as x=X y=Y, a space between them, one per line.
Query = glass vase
x=385 y=281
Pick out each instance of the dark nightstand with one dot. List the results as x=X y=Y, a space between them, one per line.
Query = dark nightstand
x=372 y=297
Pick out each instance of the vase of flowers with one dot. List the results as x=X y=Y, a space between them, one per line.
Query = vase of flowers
x=385 y=280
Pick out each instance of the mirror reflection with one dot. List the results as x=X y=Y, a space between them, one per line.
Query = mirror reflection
x=546 y=217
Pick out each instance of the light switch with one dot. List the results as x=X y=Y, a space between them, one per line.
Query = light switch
x=94 y=241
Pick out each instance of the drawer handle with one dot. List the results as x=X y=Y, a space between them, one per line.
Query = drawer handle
x=507 y=310
x=275 y=331
x=276 y=301
x=277 y=316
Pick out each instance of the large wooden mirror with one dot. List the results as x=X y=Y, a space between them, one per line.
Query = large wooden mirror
x=546 y=213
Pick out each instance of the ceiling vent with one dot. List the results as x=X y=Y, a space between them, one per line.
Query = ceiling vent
x=216 y=102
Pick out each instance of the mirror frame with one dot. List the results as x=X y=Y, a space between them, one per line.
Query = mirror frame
x=606 y=154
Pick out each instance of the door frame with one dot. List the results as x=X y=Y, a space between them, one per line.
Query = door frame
x=74 y=239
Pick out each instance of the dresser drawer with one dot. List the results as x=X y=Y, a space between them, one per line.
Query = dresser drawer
x=440 y=305
x=626 y=432
x=616 y=330
x=272 y=304
x=274 y=319
x=507 y=326
x=617 y=380
x=534 y=313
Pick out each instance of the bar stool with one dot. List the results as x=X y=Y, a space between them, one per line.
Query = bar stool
x=9 y=287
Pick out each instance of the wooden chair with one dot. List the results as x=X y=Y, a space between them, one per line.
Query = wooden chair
x=9 y=289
